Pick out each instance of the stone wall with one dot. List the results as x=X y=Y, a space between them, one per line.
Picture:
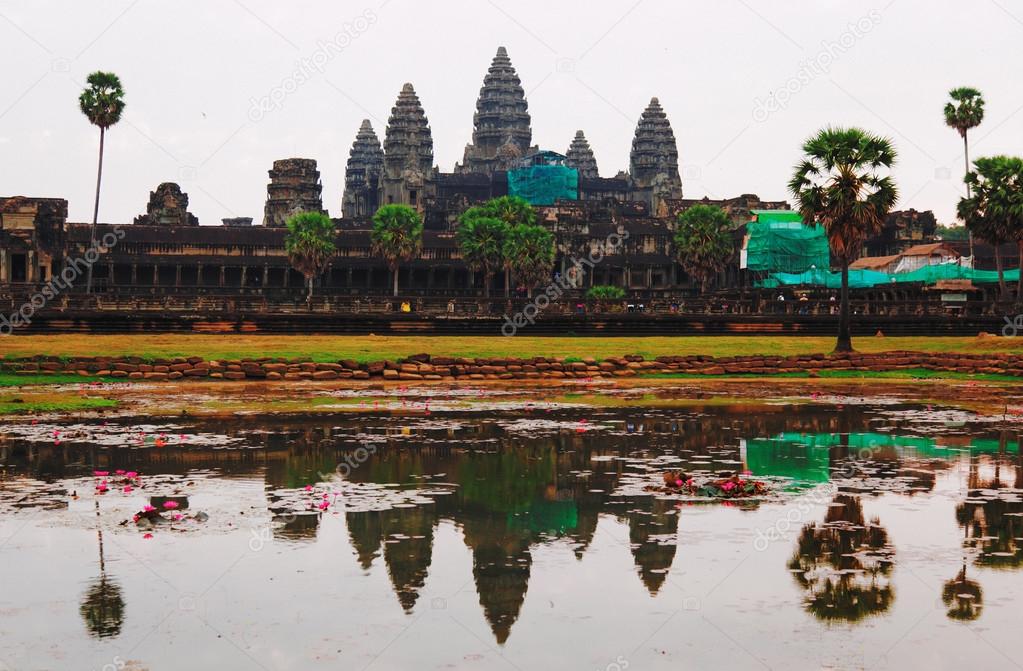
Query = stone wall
x=426 y=367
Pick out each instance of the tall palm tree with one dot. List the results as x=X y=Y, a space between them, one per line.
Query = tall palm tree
x=995 y=210
x=310 y=244
x=839 y=184
x=397 y=236
x=703 y=242
x=102 y=102
x=481 y=241
x=963 y=112
x=530 y=251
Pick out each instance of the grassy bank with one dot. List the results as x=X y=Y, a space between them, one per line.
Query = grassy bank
x=369 y=348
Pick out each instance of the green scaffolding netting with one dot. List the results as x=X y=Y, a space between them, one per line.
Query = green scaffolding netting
x=778 y=242
x=544 y=184
x=862 y=279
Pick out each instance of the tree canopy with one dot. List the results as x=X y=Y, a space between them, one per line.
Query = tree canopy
x=994 y=210
x=703 y=241
x=102 y=101
x=965 y=110
x=397 y=236
x=310 y=244
x=481 y=240
x=529 y=251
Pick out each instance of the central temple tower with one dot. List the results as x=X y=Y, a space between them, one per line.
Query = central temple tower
x=501 y=126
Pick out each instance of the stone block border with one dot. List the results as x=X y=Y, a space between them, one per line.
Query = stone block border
x=427 y=367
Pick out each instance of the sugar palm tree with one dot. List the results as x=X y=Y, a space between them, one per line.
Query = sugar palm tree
x=839 y=184
x=310 y=243
x=102 y=102
x=703 y=242
x=397 y=236
x=481 y=241
x=963 y=112
x=529 y=250
x=995 y=210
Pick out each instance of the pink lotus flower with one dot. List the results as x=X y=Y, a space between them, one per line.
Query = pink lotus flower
x=170 y=505
x=309 y=488
x=131 y=475
x=148 y=509
x=728 y=486
x=119 y=471
x=178 y=517
x=324 y=505
x=128 y=489
x=101 y=488
x=101 y=474
x=678 y=483
x=148 y=536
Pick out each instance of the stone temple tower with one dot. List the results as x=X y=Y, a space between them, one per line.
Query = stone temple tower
x=653 y=162
x=362 y=177
x=409 y=175
x=294 y=187
x=580 y=157
x=501 y=126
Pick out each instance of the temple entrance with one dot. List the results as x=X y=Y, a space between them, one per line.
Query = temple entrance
x=19 y=268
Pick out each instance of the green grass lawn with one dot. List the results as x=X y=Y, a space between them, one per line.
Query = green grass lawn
x=369 y=348
x=12 y=405
x=12 y=380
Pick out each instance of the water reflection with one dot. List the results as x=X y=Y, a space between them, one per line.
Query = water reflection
x=844 y=564
x=516 y=484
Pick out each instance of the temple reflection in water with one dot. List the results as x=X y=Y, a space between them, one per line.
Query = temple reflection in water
x=513 y=490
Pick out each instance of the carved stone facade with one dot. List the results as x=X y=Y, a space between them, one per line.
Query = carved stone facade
x=363 y=173
x=409 y=174
x=653 y=162
x=168 y=206
x=501 y=126
x=294 y=187
x=580 y=157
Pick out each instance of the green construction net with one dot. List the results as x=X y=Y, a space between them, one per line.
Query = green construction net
x=863 y=279
x=544 y=184
x=778 y=242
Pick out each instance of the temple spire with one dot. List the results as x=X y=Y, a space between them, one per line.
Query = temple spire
x=501 y=125
x=654 y=157
x=362 y=176
x=408 y=150
x=580 y=157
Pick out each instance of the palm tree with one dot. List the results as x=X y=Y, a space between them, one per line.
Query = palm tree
x=963 y=112
x=839 y=185
x=513 y=211
x=994 y=212
x=481 y=241
x=703 y=242
x=311 y=245
x=530 y=251
x=397 y=236
x=102 y=102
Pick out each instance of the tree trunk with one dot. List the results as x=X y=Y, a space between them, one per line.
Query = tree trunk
x=487 y=277
x=95 y=209
x=966 y=153
x=507 y=282
x=395 y=272
x=1019 y=282
x=844 y=343
x=1002 y=289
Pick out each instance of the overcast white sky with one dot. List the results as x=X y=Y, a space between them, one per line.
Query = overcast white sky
x=195 y=69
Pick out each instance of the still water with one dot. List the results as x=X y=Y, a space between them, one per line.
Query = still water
x=404 y=535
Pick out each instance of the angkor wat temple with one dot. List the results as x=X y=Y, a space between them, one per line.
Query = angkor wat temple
x=166 y=250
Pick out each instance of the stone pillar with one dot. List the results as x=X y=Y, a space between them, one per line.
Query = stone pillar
x=177 y=275
x=110 y=273
x=198 y=274
x=222 y=274
x=156 y=274
x=266 y=275
x=4 y=276
x=649 y=277
x=348 y=274
x=32 y=267
x=134 y=274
